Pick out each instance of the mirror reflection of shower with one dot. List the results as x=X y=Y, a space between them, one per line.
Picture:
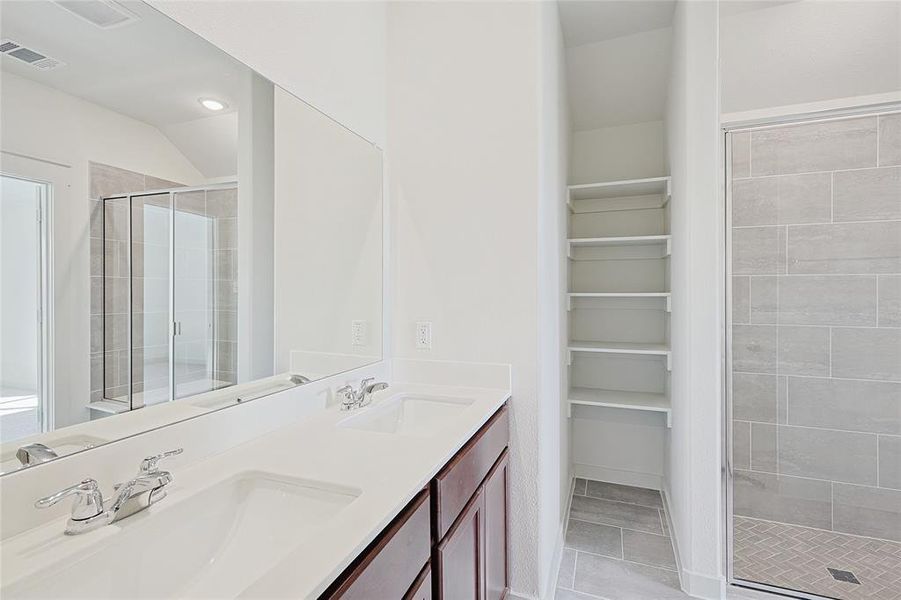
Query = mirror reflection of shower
x=168 y=294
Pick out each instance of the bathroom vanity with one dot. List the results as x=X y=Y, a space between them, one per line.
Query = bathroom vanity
x=451 y=540
x=403 y=498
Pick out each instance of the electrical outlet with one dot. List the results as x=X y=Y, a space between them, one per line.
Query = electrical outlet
x=358 y=332
x=424 y=335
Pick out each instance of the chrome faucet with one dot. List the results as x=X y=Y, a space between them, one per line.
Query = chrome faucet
x=90 y=511
x=356 y=399
x=32 y=454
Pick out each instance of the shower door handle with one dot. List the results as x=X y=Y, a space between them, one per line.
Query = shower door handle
x=176 y=328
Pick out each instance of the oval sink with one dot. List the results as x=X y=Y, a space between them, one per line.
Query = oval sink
x=407 y=414
x=211 y=545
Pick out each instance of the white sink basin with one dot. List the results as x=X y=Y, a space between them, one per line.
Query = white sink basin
x=210 y=545
x=405 y=414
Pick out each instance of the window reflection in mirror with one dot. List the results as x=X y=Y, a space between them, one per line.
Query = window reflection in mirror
x=178 y=232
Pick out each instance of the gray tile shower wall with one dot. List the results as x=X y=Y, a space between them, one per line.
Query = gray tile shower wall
x=816 y=335
x=222 y=207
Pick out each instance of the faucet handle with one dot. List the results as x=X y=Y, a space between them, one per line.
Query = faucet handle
x=366 y=381
x=149 y=464
x=88 y=501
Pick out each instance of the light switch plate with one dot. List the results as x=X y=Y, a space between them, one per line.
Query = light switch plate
x=424 y=335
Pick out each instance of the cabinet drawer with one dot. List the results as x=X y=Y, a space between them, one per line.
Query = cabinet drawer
x=390 y=565
x=422 y=587
x=458 y=481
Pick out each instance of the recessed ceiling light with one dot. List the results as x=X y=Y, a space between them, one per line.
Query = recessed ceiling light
x=212 y=104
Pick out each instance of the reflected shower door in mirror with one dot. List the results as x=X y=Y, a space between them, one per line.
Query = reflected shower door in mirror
x=169 y=295
x=207 y=235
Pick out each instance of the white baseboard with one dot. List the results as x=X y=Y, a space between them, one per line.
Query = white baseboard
x=633 y=478
x=551 y=588
x=698 y=585
x=664 y=494
x=694 y=584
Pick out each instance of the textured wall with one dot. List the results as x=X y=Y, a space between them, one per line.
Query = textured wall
x=816 y=312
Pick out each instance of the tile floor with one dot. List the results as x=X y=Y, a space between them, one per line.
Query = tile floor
x=795 y=557
x=617 y=546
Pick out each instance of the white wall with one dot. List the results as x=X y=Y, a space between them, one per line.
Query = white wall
x=619 y=80
x=469 y=157
x=19 y=297
x=619 y=152
x=554 y=143
x=256 y=223
x=328 y=238
x=693 y=484
x=45 y=123
x=210 y=143
x=330 y=54
x=809 y=51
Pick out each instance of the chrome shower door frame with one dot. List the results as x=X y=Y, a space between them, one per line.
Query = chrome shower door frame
x=756 y=589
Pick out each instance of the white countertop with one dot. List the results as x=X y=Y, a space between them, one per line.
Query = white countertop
x=388 y=469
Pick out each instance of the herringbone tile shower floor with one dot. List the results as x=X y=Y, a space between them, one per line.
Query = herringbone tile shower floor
x=797 y=558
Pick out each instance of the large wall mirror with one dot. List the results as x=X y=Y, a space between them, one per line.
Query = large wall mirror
x=178 y=233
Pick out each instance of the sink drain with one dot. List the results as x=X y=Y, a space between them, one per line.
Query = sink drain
x=840 y=575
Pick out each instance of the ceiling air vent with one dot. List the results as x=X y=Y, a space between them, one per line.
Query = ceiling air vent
x=105 y=14
x=30 y=56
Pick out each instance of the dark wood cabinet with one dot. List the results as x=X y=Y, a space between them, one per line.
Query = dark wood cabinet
x=471 y=560
x=457 y=529
x=458 y=481
x=496 y=502
x=388 y=567
x=460 y=558
x=422 y=587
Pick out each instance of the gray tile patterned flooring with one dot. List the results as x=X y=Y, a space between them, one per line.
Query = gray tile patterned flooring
x=617 y=546
x=797 y=558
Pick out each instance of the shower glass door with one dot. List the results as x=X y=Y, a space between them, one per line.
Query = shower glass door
x=151 y=299
x=169 y=294
x=814 y=371
x=193 y=294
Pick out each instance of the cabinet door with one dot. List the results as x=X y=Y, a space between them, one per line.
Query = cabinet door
x=422 y=587
x=460 y=563
x=495 y=493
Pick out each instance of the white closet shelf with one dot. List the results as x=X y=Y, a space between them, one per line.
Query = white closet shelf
x=621 y=399
x=619 y=294
x=663 y=295
x=621 y=348
x=620 y=189
x=631 y=240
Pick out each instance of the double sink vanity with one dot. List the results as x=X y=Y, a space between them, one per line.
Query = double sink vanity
x=396 y=493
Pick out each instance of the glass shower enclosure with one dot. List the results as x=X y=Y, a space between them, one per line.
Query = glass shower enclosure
x=814 y=367
x=169 y=293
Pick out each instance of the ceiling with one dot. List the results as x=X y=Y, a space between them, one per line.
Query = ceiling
x=152 y=69
x=589 y=21
x=618 y=57
x=617 y=60
x=729 y=8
